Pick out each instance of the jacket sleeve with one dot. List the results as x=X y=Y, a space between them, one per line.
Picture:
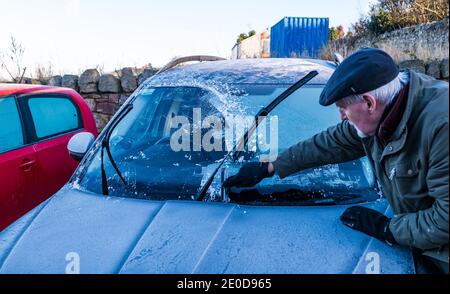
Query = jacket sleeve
x=335 y=145
x=427 y=229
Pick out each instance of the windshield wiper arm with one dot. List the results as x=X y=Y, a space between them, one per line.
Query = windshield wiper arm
x=262 y=113
x=105 y=145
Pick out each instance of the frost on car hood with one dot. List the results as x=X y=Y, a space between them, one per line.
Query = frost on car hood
x=113 y=235
x=10 y=235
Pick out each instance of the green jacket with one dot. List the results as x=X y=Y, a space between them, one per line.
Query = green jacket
x=412 y=168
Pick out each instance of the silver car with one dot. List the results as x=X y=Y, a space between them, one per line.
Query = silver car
x=134 y=205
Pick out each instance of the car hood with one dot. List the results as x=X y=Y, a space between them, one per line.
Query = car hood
x=116 y=235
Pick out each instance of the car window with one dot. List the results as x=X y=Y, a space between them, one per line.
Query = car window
x=300 y=117
x=143 y=148
x=53 y=115
x=11 y=136
x=296 y=119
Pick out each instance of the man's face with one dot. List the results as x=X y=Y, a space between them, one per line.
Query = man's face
x=364 y=115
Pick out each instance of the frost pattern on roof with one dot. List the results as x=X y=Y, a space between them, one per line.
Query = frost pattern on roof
x=244 y=71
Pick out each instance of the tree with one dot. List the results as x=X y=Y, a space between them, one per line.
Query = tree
x=244 y=36
x=43 y=72
x=12 y=61
x=388 y=15
x=333 y=34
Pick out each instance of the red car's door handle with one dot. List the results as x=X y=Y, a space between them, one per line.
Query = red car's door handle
x=27 y=164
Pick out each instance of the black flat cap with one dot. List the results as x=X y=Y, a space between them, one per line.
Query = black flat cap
x=364 y=71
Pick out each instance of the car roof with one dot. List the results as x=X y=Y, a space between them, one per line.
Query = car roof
x=245 y=71
x=21 y=89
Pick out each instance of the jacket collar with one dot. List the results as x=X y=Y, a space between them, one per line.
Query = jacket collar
x=392 y=116
x=413 y=91
x=398 y=138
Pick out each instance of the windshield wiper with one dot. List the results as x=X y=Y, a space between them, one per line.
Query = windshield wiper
x=296 y=196
x=262 y=113
x=290 y=196
x=105 y=145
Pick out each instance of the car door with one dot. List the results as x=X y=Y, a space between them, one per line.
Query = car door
x=18 y=171
x=55 y=119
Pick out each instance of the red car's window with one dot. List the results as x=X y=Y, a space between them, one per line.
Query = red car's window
x=53 y=115
x=11 y=136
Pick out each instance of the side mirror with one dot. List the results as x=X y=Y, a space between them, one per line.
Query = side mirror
x=79 y=144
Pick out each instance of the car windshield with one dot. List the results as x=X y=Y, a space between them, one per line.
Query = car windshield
x=167 y=146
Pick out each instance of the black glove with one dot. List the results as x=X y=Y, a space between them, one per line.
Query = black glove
x=249 y=175
x=370 y=222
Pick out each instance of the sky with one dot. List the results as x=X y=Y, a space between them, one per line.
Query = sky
x=73 y=35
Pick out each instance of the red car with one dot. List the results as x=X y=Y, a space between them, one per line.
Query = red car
x=36 y=123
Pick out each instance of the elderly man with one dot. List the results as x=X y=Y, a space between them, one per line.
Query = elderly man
x=400 y=121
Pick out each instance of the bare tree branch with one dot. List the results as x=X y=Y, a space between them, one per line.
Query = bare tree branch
x=11 y=61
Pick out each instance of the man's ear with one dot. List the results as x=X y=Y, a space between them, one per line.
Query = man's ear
x=371 y=102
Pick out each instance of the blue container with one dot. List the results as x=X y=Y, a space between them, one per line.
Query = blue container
x=298 y=37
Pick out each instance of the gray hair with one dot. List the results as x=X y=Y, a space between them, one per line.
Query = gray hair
x=384 y=94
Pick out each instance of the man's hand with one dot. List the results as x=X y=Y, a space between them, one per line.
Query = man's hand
x=370 y=222
x=249 y=175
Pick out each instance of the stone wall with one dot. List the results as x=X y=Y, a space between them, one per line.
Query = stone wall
x=424 y=48
x=103 y=93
